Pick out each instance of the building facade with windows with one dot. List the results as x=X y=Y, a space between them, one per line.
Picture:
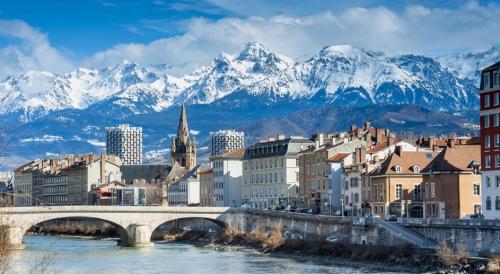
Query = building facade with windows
x=451 y=188
x=206 y=186
x=490 y=140
x=224 y=141
x=186 y=190
x=271 y=171
x=125 y=142
x=396 y=184
x=227 y=178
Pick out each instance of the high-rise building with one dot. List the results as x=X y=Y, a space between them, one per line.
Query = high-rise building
x=224 y=141
x=183 y=147
x=490 y=141
x=125 y=142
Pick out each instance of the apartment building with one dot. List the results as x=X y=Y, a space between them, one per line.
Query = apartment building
x=490 y=140
x=271 y=171
x=186 y=190
x=452 y=183
x=206 y=186
x=125 y=142
x=65 y=180
x=315 y=188
x=227 y=178
x=396 y=184
x=224 y=141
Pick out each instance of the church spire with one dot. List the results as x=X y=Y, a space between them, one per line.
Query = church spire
x=182 y=130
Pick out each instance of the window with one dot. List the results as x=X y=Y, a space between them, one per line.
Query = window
x=433 y=189
x=416 y=193
x=486 y=100
x=488 y=181
x=416 y=169
x=486 y=80
x=488 y=203
x=487 y=161
x=477 y=189
x=487 y=121
x=495 y=78
x=498 y=181
x=433 y=208
x=496 y=120
x=397 y=168
x=399 y=191
x=497 y=203
x=497 y=160
x=487 y=141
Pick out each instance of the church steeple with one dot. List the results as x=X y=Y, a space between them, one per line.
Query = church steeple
x=182 y=130
x=183 y=148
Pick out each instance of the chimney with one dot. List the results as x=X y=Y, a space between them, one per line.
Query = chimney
x=102 y=166
x=353 y=127
x=375 y=158
x=359 y=131
x=378 y=133
x=367 y=125
x=52 y=166
x=451 y=143
x=281 y=136
x=390 y=140
x=398 y=150
x=432 y=142
x=368 y=139
x=360 y=155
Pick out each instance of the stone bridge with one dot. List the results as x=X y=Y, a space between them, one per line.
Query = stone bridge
x=134 y=224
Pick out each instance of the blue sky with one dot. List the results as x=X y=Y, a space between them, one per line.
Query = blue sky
x=61 y=35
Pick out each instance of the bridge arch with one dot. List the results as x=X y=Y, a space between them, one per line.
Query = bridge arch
x=120 y=230
x=193 y=223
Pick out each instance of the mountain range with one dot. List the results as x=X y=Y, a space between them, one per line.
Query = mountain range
x=247 y=90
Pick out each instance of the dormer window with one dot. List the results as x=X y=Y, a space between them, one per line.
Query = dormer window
x=397 y=168
x=416 y=169
x=486 y=80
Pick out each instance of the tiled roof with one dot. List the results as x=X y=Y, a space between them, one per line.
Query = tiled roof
x=205 y=170
x=457 y=158
x=338 y=157
x=406 y=161
x=235 y=154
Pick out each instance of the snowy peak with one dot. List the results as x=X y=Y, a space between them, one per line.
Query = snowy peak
x=339 y=75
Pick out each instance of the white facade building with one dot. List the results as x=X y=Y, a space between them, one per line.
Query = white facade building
x=125 y=142
x=271 y=171
x=227 y=178
x=186 y=191
x=224 y=141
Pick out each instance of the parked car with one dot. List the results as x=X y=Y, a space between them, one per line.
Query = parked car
x=211 y=230
x=476 y=216
x=332 y=239
x=302 y=209
x=374 y=216
x=246 y=206
x=186 y=228
x=297 y=237
x=291 y=208
x=391 y=218
x=278 y=208
x=287 y=234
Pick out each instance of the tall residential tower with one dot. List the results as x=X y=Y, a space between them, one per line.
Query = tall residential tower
x=224 y=141
x=125 y=142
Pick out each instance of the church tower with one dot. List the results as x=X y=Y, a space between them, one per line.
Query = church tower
x=183 y=148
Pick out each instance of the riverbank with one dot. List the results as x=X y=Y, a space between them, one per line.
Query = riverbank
x=397 y=259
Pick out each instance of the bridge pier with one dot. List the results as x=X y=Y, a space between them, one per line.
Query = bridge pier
x=139 y=235
x=13 y=235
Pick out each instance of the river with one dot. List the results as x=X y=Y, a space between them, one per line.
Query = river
x=73 y=255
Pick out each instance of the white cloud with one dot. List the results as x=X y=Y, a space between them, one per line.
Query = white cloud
x=417 y=29
x=31 y=50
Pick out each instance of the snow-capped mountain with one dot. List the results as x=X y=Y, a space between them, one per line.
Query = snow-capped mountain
x=469 y=65
x=337 y=75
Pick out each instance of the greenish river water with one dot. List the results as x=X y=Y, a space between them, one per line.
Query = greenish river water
x=73 y=255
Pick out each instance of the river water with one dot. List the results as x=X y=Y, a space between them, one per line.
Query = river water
x=73 y=255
